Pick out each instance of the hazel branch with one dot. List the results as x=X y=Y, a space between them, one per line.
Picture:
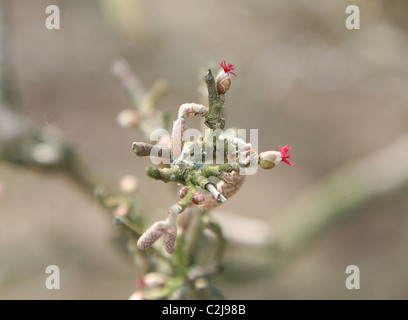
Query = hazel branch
x=142 y=149
x=131 y=83
x=144 y=102
x=188 y=198
x=214 y=119
x=215 y=171
x=152 y=97
x=174 y=174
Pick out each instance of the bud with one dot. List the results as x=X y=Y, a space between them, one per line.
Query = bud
x=183 y=192
x=198 y=198
x=269 y=159
x=223 y=82
x=153 y=280
x=201 y=283
x=122 y=210
x=137 y=295
x=127 y=118
x=223 y=79
x=45 y=153
x=129 y=183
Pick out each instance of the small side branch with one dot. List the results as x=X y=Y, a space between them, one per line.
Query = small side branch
x=174 y=174
x=188 y=198
x=144 y=102
x=142 y=149
x=214 y=119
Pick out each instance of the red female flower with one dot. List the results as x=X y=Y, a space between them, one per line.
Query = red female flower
x=227 y=67
x=223 y=79
x=284 y=154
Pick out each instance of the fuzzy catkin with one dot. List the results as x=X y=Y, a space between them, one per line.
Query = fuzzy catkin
x=170 y=240
x=187 y=109
x=226 y=189
x=150 y=236
x=177 y=142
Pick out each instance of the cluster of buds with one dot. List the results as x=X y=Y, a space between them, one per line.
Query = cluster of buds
x=198 y=198
x=194 y=177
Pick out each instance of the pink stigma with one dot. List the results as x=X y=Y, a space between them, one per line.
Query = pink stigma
x=227 y=67
x=284 y=154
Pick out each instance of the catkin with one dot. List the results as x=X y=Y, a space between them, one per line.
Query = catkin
x=177 y=142
x=170 y=240
x=192 y=108
x=226 y=189
x=150 y=236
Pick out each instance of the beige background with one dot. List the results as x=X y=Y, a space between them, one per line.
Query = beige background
x=332 y=94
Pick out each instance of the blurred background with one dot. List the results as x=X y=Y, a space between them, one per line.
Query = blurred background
x=335 y=95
